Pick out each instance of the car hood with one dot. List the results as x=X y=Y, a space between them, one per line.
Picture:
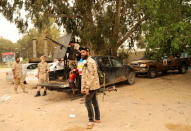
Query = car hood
x=141 y=61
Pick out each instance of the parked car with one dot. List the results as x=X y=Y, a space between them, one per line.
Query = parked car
x=31 y=76
x=115 y=71
x=151 y=67
x=25 y=69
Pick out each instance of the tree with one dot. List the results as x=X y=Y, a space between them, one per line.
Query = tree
x=26 y=41
x=48 y=29
x=168 y=27
x=103 y=25
x=6 y=46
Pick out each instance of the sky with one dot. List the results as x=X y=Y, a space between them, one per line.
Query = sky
x=9 y=30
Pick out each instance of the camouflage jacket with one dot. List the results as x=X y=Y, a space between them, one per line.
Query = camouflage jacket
x=17 y=67
x=90 y=78
x=43 y=68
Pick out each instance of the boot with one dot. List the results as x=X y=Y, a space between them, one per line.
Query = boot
x=44 y=93
x=37 y=94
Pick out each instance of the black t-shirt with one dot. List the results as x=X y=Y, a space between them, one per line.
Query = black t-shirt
x=72 y=53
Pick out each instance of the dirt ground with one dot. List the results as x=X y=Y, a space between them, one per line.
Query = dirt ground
x=161 y=104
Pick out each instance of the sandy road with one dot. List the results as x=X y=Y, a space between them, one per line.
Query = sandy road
x=161 y=104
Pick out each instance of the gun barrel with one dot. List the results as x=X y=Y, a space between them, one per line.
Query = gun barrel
x=57 y=43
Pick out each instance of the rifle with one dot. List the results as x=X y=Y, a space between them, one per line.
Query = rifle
x=57 y=43
x=103 y=87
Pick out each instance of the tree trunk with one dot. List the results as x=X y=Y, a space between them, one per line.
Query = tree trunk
x=131 y=31
x=117 y=20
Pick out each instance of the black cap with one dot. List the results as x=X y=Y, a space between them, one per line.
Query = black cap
x=85 y=48
x=72 y=41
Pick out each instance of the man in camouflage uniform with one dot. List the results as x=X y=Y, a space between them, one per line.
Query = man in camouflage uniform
x=90 y=85
x=18 y=75
x=42 y=75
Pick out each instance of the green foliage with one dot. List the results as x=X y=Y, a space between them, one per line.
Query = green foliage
x=123 y=54
x=104 y=25
x=168 y=27
x=26 y=42
x=6 y=46
x=100 y=24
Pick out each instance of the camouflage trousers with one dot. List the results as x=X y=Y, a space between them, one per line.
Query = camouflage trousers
x=42 y=79
x=19 y=81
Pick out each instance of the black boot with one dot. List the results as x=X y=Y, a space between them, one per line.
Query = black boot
x=44 y=93
x=37 y=94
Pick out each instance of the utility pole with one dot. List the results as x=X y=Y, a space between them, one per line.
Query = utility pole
x=45 y=47
x=34 y=48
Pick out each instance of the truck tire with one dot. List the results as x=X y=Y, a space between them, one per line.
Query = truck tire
x=152 y=73
x=183 y=69
x=131 y=78
x=25 y=82
x=165 y=72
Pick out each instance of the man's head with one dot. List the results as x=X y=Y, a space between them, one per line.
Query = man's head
x=17 y=59
x=85 y=52
x=43 y=58
x=59 y=59
x=72 y=43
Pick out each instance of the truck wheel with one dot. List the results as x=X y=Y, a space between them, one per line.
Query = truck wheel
x=131 y=78
x=165 y=72
x=25 y=82
x=152 y=73
x=183 y=69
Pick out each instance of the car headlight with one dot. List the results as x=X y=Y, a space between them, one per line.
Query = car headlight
x=143 y=65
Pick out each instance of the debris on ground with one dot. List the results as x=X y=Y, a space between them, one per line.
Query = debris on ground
x=5 y=98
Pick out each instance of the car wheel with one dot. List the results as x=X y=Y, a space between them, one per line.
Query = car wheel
x=183 y=69
x=152 y=73
x=165 y=72
x=131 y=78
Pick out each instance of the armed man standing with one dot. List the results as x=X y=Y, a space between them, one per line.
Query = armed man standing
x=90 y=85
x=18 y=75
x=42 y=75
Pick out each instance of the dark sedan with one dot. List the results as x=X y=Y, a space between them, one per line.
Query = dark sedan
x=115 y=71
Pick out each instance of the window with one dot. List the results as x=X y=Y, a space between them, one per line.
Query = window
x=104 y=62
x=116 y=63
x=32 y=66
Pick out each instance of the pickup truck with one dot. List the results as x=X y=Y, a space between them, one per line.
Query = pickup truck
x=110 y=70
x=152 y=67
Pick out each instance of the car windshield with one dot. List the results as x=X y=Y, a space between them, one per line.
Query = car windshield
x=50 y=65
